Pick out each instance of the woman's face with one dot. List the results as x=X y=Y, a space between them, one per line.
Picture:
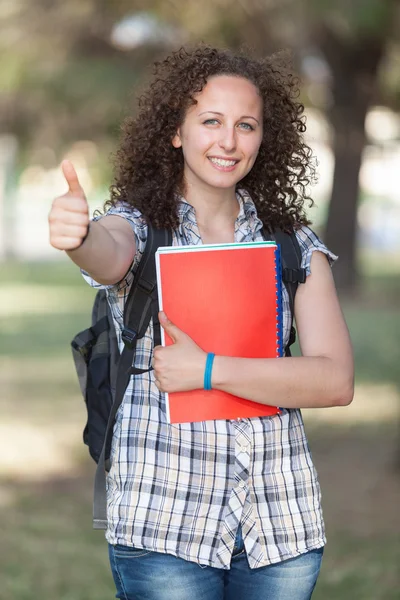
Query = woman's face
x=221 y=134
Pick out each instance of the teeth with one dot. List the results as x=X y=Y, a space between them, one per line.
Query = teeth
x=223 y=163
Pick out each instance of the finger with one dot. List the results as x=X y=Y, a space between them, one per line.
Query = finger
x=75 y=218
x=67 y=230
x=155 y=361
x=173 y=331
x=72 y=217
x=69 y=203
x=71 y=177
x=65 y=243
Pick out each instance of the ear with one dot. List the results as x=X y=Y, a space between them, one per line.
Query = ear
x=176 y=140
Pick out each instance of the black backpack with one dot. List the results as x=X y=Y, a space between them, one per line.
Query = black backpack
x=104 y=372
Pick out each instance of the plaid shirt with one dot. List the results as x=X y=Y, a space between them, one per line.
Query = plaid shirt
x=184 y=489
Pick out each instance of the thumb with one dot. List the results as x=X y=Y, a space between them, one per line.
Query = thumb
x=71 y=178
x=173 y=331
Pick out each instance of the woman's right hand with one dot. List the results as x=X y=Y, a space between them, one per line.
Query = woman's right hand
x=69 y=214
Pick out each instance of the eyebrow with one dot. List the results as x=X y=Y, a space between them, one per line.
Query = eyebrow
x=214 y=112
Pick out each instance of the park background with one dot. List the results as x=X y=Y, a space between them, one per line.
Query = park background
x=69 y=74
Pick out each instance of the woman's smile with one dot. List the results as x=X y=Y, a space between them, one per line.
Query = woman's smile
x=223 y=164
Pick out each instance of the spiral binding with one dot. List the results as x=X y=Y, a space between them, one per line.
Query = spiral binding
x=279 y=320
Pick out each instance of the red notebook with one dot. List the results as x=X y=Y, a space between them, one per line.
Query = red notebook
x=228 y=299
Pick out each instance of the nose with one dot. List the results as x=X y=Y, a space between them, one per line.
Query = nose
x=227 y=140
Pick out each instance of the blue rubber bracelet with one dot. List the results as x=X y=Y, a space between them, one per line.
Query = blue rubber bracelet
x=208 y=371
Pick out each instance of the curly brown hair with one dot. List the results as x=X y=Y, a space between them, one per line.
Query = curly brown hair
x=149 y=170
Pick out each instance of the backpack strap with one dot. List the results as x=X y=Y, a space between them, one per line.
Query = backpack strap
x=292 y=273
x=141 y=305
x=143 y=293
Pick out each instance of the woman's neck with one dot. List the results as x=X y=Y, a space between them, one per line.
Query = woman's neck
x=214 y=208
x=216 y=213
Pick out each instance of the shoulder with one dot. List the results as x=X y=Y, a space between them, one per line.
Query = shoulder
x=309 y=242
x=136 y=221
x=138 y=224
x=132 y=215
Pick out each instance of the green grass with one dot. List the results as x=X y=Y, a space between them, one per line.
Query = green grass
x=345 y=573
x=48 y=547
x=376 y=341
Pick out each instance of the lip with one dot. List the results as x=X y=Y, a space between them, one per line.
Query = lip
x=220 y=167
x=223 y=157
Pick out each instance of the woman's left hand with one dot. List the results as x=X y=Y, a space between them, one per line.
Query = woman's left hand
x=180 y=367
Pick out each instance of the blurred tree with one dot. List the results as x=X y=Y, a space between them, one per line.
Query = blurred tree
x=64 y=78
x=355 y=38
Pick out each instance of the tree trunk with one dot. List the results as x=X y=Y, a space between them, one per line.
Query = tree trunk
x=354 y=69
x=8 y=154
x=341 y=226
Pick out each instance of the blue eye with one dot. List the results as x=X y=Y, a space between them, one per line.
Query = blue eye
x=247 y=126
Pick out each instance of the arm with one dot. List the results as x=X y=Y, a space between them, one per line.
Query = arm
x=323 y=376
x=106 y=250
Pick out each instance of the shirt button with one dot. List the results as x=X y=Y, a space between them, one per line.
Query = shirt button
x=244 y=448
x=242 y=484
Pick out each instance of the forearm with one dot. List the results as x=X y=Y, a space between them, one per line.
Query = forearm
x=295 y=382
x=102 y=255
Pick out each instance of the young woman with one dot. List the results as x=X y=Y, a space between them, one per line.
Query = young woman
x=217 y=509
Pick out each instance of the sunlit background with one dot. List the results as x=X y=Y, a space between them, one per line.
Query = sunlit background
x=69 y=73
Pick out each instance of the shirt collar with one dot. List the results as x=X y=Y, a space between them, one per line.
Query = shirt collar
x=247 y=210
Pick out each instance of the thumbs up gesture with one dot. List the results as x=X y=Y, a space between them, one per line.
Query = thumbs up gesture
x=69 y=214
x=180 y=367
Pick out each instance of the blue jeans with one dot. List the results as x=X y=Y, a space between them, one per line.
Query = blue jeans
x=143 y=575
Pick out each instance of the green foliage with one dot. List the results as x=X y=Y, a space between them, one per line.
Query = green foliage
x=62 y=79
x=355 y=18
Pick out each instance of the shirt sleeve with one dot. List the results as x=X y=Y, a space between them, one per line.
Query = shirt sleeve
x=139 y=228
x=309 y=242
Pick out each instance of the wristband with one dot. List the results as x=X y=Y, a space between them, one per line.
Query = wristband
x=208 y=371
